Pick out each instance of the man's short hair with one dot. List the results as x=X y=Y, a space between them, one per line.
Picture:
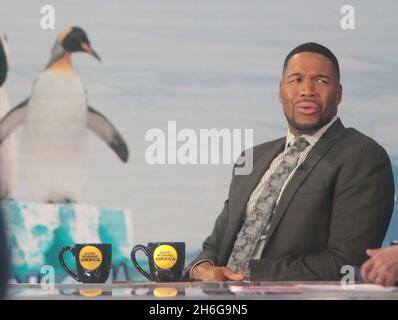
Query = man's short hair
x=317 y=48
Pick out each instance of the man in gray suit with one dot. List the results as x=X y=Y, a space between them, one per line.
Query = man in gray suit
x=315 y=200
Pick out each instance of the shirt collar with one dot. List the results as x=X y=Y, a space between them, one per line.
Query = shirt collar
x=311 y=138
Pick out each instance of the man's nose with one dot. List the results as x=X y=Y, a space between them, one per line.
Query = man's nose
x=307 y=88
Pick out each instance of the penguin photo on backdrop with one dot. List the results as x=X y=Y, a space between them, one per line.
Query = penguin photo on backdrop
x=54 y=120
x=8 y=149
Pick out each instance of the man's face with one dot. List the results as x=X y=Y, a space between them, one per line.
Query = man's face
x=309 y=92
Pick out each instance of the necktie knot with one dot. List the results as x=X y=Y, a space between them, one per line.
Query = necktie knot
x=299 y=144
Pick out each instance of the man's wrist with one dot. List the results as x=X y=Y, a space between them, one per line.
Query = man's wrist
x=197 y=264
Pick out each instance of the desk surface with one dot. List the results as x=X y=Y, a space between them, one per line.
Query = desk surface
x=203 y=291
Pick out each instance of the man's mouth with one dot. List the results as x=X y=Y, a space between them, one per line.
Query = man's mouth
x=307 y=107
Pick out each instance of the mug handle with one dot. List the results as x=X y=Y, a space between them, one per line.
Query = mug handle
x=63 y=264
x=133 y=259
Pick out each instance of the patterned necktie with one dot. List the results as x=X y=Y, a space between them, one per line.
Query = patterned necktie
x=258 y=220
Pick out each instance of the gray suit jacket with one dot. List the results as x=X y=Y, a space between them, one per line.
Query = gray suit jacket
x=338 y=203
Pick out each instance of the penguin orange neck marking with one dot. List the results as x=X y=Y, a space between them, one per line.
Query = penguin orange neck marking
x=63 y=66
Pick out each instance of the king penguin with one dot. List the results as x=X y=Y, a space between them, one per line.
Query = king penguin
x=55 y=119
x=8 y=149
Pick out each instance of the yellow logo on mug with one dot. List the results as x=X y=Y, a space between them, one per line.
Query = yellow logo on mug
x=165 y=292
x=165 y=256
x=90 y=292
x=90 y=257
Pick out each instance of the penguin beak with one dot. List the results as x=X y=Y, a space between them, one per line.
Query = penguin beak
x=86 y=48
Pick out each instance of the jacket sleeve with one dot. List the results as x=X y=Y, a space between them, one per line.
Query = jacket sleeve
x=211 y=245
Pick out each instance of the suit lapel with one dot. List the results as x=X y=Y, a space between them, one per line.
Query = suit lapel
x=241 y=193
x=314 y=156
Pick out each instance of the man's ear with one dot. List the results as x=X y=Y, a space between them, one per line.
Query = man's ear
x=339 y=94
x=280 y=91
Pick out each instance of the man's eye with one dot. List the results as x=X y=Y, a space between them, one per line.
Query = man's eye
x=294 y=80
x=322 y=81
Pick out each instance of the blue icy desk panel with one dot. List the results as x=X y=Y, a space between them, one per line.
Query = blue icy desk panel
x=37 y=231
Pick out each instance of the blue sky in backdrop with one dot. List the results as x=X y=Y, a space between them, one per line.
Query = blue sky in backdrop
x=204 y=64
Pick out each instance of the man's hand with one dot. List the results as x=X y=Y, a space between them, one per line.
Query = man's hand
x=382 y=267
x=205 y=271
